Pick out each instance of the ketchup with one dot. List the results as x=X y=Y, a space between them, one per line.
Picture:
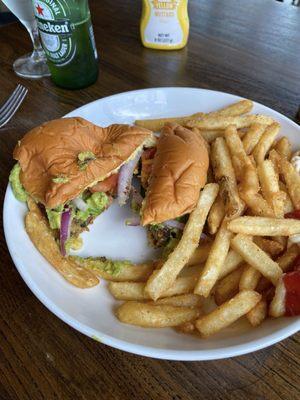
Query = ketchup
x=291 y=282
x=294 y=214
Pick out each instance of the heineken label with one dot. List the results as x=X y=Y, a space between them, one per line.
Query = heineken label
x=55 y=30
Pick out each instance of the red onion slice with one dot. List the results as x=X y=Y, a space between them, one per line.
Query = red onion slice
x=172 y=223
x=65 y=225
x=125 y=178
x=134 y=221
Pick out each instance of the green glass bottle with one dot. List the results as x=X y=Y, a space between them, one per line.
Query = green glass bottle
x=68 y=40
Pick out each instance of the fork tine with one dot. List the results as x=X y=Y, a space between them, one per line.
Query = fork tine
x=14 y=104
x=11 y=112
x=8 y=102
x=14 y=107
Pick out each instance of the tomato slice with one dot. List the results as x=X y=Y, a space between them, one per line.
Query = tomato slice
x=149 y=153
x=294 y=214
x=108 y=185
x=291 y=282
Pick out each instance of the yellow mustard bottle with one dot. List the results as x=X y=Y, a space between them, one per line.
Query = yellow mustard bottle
x=164 y=24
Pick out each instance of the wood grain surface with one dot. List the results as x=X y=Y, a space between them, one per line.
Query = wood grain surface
x=249 y=48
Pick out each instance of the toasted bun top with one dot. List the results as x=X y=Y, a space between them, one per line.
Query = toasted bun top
x=179 y=172
x=52 y=149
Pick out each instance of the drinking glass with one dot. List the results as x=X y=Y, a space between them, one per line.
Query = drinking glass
x=32 y=65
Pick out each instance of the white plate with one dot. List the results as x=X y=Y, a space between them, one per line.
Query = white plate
x=90 y=311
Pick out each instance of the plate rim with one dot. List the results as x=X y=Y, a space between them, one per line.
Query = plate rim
x=148 y=351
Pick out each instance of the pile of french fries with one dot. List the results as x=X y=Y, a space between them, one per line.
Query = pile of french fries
x=251 y=186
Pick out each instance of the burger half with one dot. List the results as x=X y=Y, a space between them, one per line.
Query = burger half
x=172 y=173
x=73 y=169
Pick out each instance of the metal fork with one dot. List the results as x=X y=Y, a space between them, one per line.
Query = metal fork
x=10 y=107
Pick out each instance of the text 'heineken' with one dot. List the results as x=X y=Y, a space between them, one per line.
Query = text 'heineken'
x=68 y=40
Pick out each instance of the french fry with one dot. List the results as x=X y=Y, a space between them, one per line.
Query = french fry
x=249 y=188
x=155 y=316
x=114 y=271
x=210 y=122
x=221 y=161
x=227 y=313
x=128 y=290
x=235 y=109
x=136 y=290
x=183 y=300
x=258 y=205
x=269 y=181
x=158 y=123
x=249 y=278
x=256 y=257
x=288 y=205
x=284 y=148
x=188 y=328
x=241 y=107
x=200 y=254
x=165 y=277
x=270 y=246
x=292 y=180
x=258 y=313
x=214 y=262
x=228 y=286
x=276 y=160
x=284 y=262
x=209 y=136
x=277 y=305
x=42 y=237
x=238 y=155
x=288 y=257
x=265 y=142
x=215 y=216
x=225 y=176
x=234 y=206
x=232 y=262
x=250 y=183
x=252 y=137
x=260 y=226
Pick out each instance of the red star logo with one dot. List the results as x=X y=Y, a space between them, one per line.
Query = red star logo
x=40 y=10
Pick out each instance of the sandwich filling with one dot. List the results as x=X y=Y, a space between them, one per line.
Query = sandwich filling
x=74 y=169
x=171 y=175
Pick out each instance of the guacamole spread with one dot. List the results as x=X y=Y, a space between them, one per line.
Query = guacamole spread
x=73 y=243
x=54 y=216
x=96 y=204
x=112 y=268
x=60 y=179
x=84 y=158
x=16 y=185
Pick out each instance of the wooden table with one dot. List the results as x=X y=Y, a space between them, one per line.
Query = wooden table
x=249 y=48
